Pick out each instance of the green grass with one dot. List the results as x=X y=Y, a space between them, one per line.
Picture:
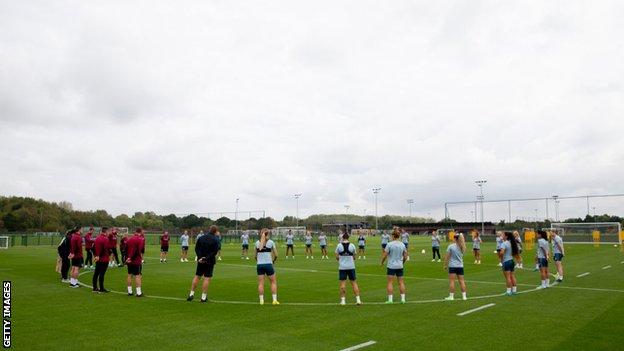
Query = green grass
x=48 y=315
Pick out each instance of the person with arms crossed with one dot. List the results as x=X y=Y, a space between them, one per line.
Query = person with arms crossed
x=164 y=247
x=245 y=246
x=75 y=255
x=64 y=249
x=509 y=249
x=206 y=248
x=101 y=261
x=184 y=242
x=558 y=253
x=435 y=245
x=454 y=261
x=266 y=255
x=134 y=262
x=290 y=244
x=361 y=246
x=396 y=254
x=308 y=245
x=323 y=244
x=88 y=243
x=476 y=247
x=542 y=256
x=345 y=255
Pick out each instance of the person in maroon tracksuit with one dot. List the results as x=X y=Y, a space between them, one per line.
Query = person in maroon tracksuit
x=112 y=242
x=101 y=260
x=75 y=255
x=134 y=261
x=164 y=247
x=88 y=242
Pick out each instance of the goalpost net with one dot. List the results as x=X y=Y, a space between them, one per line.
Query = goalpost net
x=4 y=242
x=280 y=232
x=603 y=232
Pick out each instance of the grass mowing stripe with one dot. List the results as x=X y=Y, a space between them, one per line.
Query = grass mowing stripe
x=582 y=274
x=476 y=309
x=606 y=267
x=359 y=346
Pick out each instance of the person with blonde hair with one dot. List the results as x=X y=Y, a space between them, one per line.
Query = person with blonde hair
x=454 y=262
x=266 y=255
x=518 y=256
x=396 y=254
x=476 y=247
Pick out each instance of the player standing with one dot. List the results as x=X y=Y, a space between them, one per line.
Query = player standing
x=405 y=238
x=184 y=242
x=435 y=245
x=558 y=253
x=206 y=248
x=266 y=255
x=518 y=257
x=499 y=243
x=101 y=260
x=361 y=246
x=385 y=238
x=64 y=249
x=454 y=261
x=345 y=255
x=509 y=249
x=396 y=254
x=290 y=244
x=476 y=247
x=219 y=238
x=88 y=242
x=112 y=241
x=245 y=246
x=136 y=245
x=542 y=257
x=123 y=248
x=201 y=233
x=323 y=244
x=164 y=247
x=308 y=245
x=75 y=255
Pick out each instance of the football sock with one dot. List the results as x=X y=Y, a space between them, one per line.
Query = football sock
x=402 y=297
x=204 y=296
x=138 y=289
x=261 y=298
x=129 y=290
x=192 y=293
x=274 y=297
x=357 y=299
x=389 y=298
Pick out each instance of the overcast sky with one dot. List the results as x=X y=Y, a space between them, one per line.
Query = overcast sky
x=182 y=107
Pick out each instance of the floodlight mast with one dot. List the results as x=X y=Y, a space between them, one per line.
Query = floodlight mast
x=375 y=192
x=346 y=219
x=480 y=184
x=297 y=196
x=410 y=202
x=236 y=217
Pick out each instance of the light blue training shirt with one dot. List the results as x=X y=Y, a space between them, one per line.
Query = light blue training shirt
x=395 y=250
x=456 y=258
x=265 y=257
x=345 y=262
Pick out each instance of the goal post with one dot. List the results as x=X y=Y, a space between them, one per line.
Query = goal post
x=4 y=242
x=596 y=233
x=280 y=232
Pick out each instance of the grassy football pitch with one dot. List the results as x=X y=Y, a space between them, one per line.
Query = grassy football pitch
x=579 y=314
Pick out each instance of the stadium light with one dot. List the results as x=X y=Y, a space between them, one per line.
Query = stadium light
x=556 y=198
x=297 y=196
x=480 y=184
x=410 y=202
x=375 y=192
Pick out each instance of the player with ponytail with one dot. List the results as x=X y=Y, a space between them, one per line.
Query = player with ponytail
x=266 y=255
x=509 y=250
x=454 y=261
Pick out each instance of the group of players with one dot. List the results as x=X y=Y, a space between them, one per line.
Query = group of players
x=102 y=250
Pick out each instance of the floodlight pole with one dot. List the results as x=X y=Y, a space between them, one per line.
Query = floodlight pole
x=297 y=196
x=587 y=205
x=556 y=198
x=375 y=192
x=410 y=202
x=480 y=184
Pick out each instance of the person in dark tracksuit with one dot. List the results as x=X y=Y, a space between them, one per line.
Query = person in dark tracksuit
x=206 y=249
x=63 y=251
x=101 y=261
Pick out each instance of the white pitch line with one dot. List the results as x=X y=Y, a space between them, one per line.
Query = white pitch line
x=582 y=274
x=476 y=309
x=359 y=346
x=606 y=267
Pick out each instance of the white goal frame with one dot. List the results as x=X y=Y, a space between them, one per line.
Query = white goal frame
x=7 y=241
x=280 y=232
x=561 y=228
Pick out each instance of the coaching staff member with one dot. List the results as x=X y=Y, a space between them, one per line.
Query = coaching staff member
x=206 y=249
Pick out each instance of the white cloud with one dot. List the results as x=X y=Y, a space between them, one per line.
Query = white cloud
x=182 y=108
